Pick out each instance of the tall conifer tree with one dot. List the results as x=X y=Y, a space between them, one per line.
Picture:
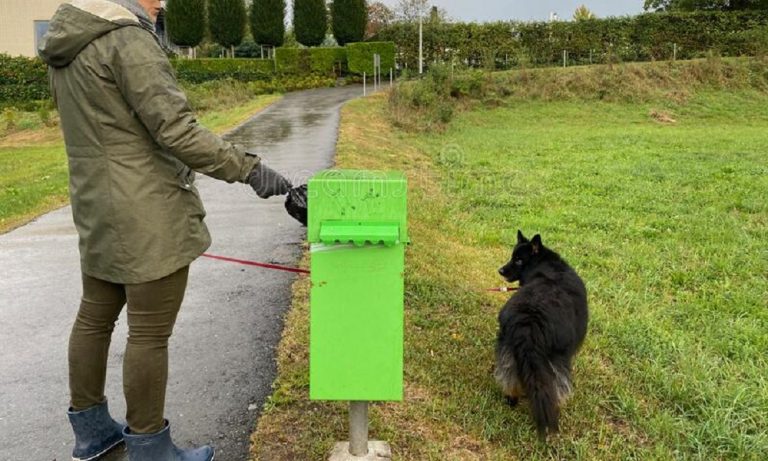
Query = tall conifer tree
x=310 y=21
x=185 y=21
x=226 y=21
x=349 y=19
x=268 y=22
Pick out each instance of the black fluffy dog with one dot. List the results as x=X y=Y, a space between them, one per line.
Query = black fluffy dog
x=541 y=328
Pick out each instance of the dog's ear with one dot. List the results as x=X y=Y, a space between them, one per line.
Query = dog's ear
x=520 y=237
x=536 y=244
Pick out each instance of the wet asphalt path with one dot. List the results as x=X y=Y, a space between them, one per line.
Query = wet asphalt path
x=222 y=352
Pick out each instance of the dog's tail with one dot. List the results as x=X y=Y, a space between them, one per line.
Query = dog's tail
x=539 y=378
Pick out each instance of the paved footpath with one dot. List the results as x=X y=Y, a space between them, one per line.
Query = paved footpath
x=222 y=354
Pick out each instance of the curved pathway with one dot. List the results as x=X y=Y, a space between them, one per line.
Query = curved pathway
x=222 y=360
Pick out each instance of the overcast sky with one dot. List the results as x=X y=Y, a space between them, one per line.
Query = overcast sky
x=529 y=10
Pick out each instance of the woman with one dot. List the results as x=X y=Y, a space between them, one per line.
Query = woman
x=133 y=145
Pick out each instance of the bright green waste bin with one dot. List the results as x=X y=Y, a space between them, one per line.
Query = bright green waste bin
x=357 y=228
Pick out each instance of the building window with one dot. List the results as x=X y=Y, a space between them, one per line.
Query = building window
x=41 y=27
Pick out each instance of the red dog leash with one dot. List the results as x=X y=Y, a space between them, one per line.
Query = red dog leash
x=303 y=271
x=254 y=263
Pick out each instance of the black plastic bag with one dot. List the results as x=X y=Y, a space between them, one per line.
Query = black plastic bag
x=296 y=204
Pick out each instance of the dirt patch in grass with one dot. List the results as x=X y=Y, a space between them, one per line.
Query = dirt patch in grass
x=662 y=116
x=38 y=137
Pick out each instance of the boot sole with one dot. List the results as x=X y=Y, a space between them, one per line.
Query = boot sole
x=99 y=455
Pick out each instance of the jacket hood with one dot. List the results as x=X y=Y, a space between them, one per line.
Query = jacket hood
x=79 y=22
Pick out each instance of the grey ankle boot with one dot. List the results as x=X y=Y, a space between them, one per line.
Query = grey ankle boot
x=95 y=432
x=159 y=447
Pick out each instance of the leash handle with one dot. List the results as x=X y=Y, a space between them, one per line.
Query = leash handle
x=256 y=264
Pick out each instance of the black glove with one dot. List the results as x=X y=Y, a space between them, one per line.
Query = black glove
x=268 y=182
x=296 y=204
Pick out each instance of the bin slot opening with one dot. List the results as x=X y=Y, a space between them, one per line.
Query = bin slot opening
x=359 y=232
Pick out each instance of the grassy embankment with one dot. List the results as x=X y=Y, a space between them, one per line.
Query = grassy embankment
x=33 y=168
x=658 y=197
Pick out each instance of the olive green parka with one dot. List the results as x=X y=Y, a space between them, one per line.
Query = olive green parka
x=132 y=143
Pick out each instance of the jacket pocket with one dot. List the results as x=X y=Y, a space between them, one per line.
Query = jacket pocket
x=192 y=200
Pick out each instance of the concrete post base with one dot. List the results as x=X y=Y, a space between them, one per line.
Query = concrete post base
x=377 y=451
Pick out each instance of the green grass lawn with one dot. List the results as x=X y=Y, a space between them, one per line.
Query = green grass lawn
x=33 y=180
x=33 y=163
x=666 y=222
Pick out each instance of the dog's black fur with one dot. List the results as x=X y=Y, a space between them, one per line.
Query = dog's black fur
x=541 y=328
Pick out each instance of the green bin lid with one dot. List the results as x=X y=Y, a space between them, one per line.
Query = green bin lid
x=355 y=206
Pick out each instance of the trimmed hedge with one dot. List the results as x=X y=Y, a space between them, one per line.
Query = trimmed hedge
x=23 y=80
x=203 y=70
x=360 y=56
x=292 y=60
x=325 y=61
x=646 y=37
x=303 y=61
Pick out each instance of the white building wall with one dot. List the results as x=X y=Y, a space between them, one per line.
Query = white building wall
x=17 y=24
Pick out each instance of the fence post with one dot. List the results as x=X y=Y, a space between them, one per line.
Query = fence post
x=358 y=428
x=365 y=92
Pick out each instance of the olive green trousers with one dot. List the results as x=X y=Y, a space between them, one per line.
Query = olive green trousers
x=152 y=310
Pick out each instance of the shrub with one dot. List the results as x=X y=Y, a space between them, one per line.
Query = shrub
x=752 y=42
x=429 y=103
x=185 y=20
x=46 y=115
x=9 y=119
x=360 y=56
x=248 y=49
x=472 y=84
x=22 y=80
